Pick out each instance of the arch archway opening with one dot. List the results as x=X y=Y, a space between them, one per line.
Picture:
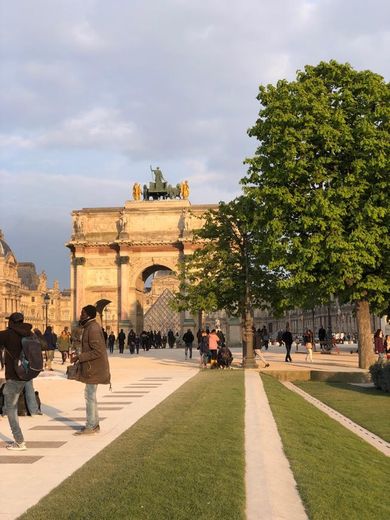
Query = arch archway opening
x=159 y=284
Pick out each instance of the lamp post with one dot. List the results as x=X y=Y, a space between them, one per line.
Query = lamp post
x=106 y=315
x=46 y=300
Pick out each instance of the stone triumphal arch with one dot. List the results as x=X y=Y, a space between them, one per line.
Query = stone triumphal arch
x=115 y=250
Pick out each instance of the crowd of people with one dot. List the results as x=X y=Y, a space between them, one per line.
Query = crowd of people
x=211 y=344
x=87 y=346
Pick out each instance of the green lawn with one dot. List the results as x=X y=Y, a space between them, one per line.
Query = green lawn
x=339 y=476
x=183 y=460
x=368 y=407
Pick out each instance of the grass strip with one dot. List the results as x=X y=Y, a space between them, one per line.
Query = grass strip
x=182 y=460
x=339 y=476
x=368 y=407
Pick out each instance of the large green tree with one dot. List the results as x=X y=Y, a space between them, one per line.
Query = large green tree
x=224 y=272
x=320 y=178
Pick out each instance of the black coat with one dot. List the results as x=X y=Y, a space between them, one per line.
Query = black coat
x=11 y=340
x=188 y=337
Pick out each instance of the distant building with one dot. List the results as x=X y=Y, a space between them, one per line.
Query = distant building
x=23 y=290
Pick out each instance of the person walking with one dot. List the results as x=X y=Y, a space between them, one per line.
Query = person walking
x=51 y=342
x=308 y=343
x=188 y=339
x=379 y=344
x=121 y=341
x=171 y=338
x=11 y=340
x=111 y=342
x=64 y=344
x=95 y=369
x=131 y=341
x=322 y=337
x=204 y=349
x=287 y=340
x=265 y=336
x=258 y=345
x=213 y=346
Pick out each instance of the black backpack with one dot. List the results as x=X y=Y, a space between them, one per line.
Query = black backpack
x=30 y=362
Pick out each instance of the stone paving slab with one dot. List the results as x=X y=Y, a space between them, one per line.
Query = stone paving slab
x=271 y=490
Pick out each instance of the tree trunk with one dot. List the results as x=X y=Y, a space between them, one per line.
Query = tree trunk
x=249 y=361
x=365 y=345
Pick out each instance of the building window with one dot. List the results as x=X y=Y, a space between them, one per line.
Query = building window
x=33 y=298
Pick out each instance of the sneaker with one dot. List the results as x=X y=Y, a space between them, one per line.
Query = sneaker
x=17 y=446
x=88 y=431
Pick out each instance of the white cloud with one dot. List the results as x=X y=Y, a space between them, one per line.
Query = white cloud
x=99 y=127
x=93 y=92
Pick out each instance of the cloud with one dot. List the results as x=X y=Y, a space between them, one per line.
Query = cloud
x=94 y=92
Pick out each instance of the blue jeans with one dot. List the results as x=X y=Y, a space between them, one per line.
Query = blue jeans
x=91 y=405
x=11 y=392
x=31 y=399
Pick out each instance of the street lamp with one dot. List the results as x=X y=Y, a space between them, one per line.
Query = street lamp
x=46 y=300
x=106 y=315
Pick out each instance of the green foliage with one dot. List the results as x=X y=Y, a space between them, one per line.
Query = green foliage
x=380 y=374
x=320 y=182
x=227 y=270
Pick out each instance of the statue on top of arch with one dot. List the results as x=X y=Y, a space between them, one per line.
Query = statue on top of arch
x=160 y=189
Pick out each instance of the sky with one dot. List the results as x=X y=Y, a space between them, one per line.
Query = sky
x=92 y=93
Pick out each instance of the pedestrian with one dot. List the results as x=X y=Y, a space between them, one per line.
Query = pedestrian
x=111 y=342
x=51 y=342
x=204 y=349
x=11 y=340
x=131 y=341
x=188 y=339
x=379 y=347
x=158 y=339
x=137 y=342
x=308 y=343
x=265 y=336
x=64 y=344
x=258 y=345
x=171 y=338
x=164 y=341
x=213 y=346
x=95 y=369
x=322 y=337
x=287 y=340
x=105 y=335
x=121 y=341
x=386 y=345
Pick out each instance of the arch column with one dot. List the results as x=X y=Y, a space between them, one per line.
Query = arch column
x=123 y=293
x=77 y=286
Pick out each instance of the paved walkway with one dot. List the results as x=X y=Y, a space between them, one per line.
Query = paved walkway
x=270 y=485
x=139 y=384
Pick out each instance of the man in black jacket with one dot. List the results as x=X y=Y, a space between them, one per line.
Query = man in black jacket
x=188 y=339
x=287 y=340
x=11 y=339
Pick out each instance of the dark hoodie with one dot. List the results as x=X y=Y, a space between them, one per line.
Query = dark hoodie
x=11 y=340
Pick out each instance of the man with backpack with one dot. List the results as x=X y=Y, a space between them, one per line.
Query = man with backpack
x=11 y=339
